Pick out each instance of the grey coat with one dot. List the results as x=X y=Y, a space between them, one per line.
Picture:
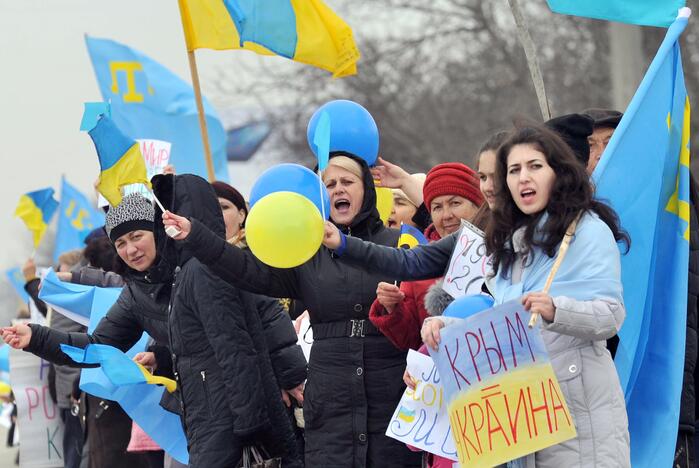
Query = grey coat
x=575 y=341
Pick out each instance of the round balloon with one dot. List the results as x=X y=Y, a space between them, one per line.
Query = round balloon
x=291 y=178
x=352 y=129
x=384 y=202
x=466 y=306
x=284 y=229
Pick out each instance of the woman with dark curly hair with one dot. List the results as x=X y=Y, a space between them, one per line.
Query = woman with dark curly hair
x=544 y=193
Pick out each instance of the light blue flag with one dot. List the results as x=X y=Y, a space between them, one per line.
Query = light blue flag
x=16 y=278
x=653 y=205
x=76 y=301
x=148 y=101
x=642 y=12
x=130 y=386
x=88 y=305
x=77 y=216
x=321 y=140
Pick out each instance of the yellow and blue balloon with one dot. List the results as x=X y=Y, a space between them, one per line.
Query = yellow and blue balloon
x=285 y=227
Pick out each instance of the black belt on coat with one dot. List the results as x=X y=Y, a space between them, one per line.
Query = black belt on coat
x=348 y=328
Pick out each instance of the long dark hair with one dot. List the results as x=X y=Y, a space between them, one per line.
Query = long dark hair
x=572 y=193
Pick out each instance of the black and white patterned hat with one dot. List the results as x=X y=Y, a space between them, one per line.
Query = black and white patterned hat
x=134 y=213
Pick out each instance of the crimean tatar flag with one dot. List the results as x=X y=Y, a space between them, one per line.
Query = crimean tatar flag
x=305 y=31
x=653 y=205
x=36 y=209
x=410 y=237
x=121 y=161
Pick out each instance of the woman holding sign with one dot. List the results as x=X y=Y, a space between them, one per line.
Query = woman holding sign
x=547 y=190
x=451 y=193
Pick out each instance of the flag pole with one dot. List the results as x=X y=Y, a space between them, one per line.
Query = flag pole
x=202 y=118
x=532 y=58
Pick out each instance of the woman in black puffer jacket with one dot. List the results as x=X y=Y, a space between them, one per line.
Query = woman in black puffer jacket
x=143 y=306
x=229 y=393
x=355 y=373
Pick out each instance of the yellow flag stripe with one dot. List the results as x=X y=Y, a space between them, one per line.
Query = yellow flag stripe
x=130 y=169
x=32 y=216
x=169 y=384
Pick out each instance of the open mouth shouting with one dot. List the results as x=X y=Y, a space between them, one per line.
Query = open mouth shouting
x=342 y=206
x=528 y=196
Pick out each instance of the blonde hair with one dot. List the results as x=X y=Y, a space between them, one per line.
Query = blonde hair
x=348 y=164
x=71 y=258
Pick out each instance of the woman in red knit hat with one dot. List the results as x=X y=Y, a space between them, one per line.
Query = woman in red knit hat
x=451 y=193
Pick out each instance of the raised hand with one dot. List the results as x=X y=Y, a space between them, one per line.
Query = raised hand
x=331 y=237
x=180 y=223
x=390 y=175
x=389 y=295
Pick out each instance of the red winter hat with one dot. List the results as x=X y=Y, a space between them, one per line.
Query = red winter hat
x=452 y=179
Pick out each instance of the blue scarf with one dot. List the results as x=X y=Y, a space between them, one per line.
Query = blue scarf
x=590 y=270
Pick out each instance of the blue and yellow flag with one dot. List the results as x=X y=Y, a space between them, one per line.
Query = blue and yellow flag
x=36 y=209
x=117 y=380
x=121 y=161
x=642 y=12
x=305 y=31
x=77 y=217
x=118 y=367
x=653 y=205
x=148 y=101
x=410 y=237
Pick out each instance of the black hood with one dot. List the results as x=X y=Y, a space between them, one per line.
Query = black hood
x=367 y=221
x=190 y=196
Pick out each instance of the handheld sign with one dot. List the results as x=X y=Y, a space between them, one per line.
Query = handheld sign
x=469 y=263
x=421 y=418
x=37 y=414
x=503 y=397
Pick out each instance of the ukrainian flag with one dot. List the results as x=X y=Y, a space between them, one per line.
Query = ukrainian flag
x=410 y=237
x=36 y=209
x=121 y=161
x=305 y=31
x=653 y=203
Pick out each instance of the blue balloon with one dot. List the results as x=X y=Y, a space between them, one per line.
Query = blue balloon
x=352 y=129
x=466 y=306
x=291 y=178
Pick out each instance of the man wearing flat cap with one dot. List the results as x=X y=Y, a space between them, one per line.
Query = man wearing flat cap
x=605 y=122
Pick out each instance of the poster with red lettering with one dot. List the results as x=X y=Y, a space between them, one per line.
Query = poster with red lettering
x=503 y=398
x=39 y=423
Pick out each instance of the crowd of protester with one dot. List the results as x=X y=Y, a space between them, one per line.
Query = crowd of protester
x=220 y=325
